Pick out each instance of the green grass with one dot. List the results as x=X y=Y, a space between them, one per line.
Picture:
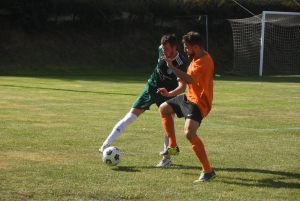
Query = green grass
x=51 y=129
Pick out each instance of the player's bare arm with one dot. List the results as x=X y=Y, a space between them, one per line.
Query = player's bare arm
x=180 y=89
x=179 y=73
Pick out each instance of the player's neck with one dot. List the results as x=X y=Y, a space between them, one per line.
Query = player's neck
x=199 y=54
x=173 y=55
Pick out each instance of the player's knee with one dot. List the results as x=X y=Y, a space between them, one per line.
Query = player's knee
x=164 y=109
x=189 y=134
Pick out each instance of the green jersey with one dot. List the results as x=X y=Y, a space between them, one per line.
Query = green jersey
x=163 y=77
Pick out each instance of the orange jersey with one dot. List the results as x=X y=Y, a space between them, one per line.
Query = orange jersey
x=200 y=91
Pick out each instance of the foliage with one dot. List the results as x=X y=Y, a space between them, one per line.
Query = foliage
x=74 y=48
x=34 y=13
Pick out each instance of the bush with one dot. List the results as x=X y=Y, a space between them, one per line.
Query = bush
x=31 y=14
x=34 y=13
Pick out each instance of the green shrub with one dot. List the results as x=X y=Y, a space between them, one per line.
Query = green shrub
x=34 y=13
x=31 y=14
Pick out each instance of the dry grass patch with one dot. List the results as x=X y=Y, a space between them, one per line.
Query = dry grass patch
x=11 y=158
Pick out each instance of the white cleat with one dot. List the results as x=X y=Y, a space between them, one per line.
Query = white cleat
x=103 y=147
x=164 y=162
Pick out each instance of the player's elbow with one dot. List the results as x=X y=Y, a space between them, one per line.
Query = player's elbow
x=181 y=87
x=189 y=80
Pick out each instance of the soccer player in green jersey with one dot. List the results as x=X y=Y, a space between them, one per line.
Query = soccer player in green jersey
x=162 y=77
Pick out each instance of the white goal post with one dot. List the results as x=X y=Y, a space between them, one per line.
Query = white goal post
x=268 y=43
x=283 y=22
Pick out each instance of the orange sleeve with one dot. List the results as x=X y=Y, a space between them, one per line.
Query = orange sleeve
x=197 y=71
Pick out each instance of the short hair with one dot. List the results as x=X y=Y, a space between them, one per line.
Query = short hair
x=193 y=38
x=169 y=38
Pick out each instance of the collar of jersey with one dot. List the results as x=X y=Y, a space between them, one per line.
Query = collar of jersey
x=176 y=56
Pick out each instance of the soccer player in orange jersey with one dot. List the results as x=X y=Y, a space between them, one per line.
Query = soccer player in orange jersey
x=195 y=105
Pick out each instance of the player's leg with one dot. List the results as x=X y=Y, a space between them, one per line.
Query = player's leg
x=166 y=112
x=166 y=139
x=120 y=127
x=166 y=160
x=142 y=103
x=193 y=120
x=160 y=99
x=190 y=129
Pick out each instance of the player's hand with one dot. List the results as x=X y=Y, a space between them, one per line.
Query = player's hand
x=163 y=92
x=168 y=61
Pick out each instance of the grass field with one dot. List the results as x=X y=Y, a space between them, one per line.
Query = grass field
x=51 y=129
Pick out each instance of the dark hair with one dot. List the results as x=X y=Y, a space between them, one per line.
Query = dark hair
x=169 y=38
x=193 y=38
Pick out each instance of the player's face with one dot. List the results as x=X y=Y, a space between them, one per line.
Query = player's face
x=189 y=49
x=168 y=50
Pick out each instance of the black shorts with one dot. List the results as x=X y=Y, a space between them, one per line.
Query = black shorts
x=185 y=108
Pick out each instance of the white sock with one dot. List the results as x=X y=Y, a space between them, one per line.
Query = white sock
x=166 y=142
x=120 y=127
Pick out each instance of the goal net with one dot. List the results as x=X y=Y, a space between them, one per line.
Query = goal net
x=268 y=43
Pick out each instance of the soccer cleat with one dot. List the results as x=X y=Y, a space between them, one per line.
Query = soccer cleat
x=205 y=176
x=164 y=162
x=103 y=147
x=170 y=151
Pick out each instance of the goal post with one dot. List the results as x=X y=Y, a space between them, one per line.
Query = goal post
x=262 y=42
x=283 y=16
x=267 y=43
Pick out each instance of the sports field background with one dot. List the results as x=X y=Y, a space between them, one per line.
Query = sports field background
x=51 y=129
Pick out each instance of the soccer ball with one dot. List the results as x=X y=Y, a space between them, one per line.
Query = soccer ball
x=111 y=156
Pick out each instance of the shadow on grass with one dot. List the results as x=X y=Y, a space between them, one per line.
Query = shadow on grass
x=262 y=178
x=237 y=176
x=126 y=169
x=67 y=90
x=277 y=179
x=286 y=174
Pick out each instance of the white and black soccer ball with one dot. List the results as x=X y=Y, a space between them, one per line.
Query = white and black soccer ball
x=111 y=156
